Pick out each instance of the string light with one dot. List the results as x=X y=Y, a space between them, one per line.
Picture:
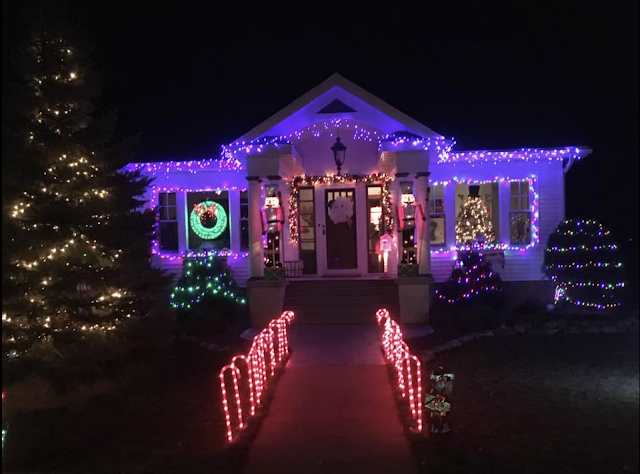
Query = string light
x=299 y=181
x=583 y=263
x=331 y=128
x=471 y=278
x=208 y=210
x=253 y=372
x=202 y=284
x=188 y=166
x=407 y=366
x=523 y=154
x=534 y=210
x=179 y=256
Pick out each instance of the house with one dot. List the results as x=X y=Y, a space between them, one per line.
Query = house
x=312 y=192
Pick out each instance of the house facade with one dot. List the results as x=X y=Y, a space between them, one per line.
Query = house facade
x=276 y=206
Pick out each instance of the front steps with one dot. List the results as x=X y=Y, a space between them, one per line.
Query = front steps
x=340 y=301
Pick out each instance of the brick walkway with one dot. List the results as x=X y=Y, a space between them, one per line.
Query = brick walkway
x=333 y=410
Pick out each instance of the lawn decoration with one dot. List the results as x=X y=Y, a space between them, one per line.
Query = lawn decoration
x=244 y=381
x=437 y=402
x=208 y=220
x=407 y=366
x=272 y=220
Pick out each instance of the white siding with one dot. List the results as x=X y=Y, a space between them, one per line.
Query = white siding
x=519 y=266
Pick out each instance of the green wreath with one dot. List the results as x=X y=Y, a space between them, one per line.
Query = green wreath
x=195 y=218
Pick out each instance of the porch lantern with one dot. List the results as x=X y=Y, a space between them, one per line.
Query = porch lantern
x=339 y=153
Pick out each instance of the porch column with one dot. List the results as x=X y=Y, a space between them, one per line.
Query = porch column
x=256 y=250
x=424 y=232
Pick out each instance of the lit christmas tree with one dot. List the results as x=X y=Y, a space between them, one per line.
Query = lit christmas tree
x=473 y=223
x=206 y=285
x=75 y=255
x=472 y=280
x=584 y=262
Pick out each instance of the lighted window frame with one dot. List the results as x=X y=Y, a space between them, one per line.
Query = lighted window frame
x=168 y=222
x=437 y=214
x=520 y=218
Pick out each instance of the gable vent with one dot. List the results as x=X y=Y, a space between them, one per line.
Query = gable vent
x=336 y=107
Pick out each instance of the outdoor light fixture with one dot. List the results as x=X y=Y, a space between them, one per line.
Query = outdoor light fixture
x=339 y=153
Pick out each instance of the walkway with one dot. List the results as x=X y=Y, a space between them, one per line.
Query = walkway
x=333 y=410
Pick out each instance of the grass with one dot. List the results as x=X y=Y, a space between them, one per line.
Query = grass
x=169 y=421
x=527 y=404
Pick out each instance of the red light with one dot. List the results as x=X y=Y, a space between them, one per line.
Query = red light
x=250 y=374
x=407 y=366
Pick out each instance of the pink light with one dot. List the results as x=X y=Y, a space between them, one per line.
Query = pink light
x=407 y=366
x=252 y=371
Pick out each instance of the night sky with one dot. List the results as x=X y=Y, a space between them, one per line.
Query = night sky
x=190 y=76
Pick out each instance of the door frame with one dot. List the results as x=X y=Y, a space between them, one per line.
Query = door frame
x=361 y=229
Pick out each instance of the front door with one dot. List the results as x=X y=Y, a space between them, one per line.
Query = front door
x=340 y=228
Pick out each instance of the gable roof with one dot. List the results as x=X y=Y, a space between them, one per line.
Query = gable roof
x=340 y=97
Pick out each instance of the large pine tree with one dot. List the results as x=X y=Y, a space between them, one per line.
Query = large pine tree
x=76 y=273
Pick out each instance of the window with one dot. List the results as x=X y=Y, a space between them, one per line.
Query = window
x=520 y=216
x=307 y=229
x=437 y=216
x=477 y=213
x=244 y=220
x=168 y=221
x=208 y=219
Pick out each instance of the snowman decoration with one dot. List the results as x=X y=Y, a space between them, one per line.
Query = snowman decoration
x=341 y=211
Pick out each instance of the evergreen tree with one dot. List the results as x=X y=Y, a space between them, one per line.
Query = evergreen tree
x=76 y=271
x=205 y=297
x=473 y=223
x=206 y=283
x=472 y=280
x=584 y=261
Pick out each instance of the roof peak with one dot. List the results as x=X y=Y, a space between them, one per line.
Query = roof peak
x=364 y=106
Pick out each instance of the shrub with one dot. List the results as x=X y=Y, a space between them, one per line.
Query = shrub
x=206 y=294
x=583 y=260
x=472 y=281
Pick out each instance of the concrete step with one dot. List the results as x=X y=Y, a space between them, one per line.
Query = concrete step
x=354 y=292
x=340 y=300
x=343 y=317
x=341 y=283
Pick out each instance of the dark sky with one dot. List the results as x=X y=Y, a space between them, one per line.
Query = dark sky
x=192 y=75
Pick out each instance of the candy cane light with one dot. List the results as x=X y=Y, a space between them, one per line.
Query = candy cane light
x=407 y=366
x=244 y=380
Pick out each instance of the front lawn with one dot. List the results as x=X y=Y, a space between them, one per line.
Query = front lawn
x=539 y=404
x=168 y=421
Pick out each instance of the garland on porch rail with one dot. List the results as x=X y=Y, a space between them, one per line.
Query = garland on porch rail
x=298 y=181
